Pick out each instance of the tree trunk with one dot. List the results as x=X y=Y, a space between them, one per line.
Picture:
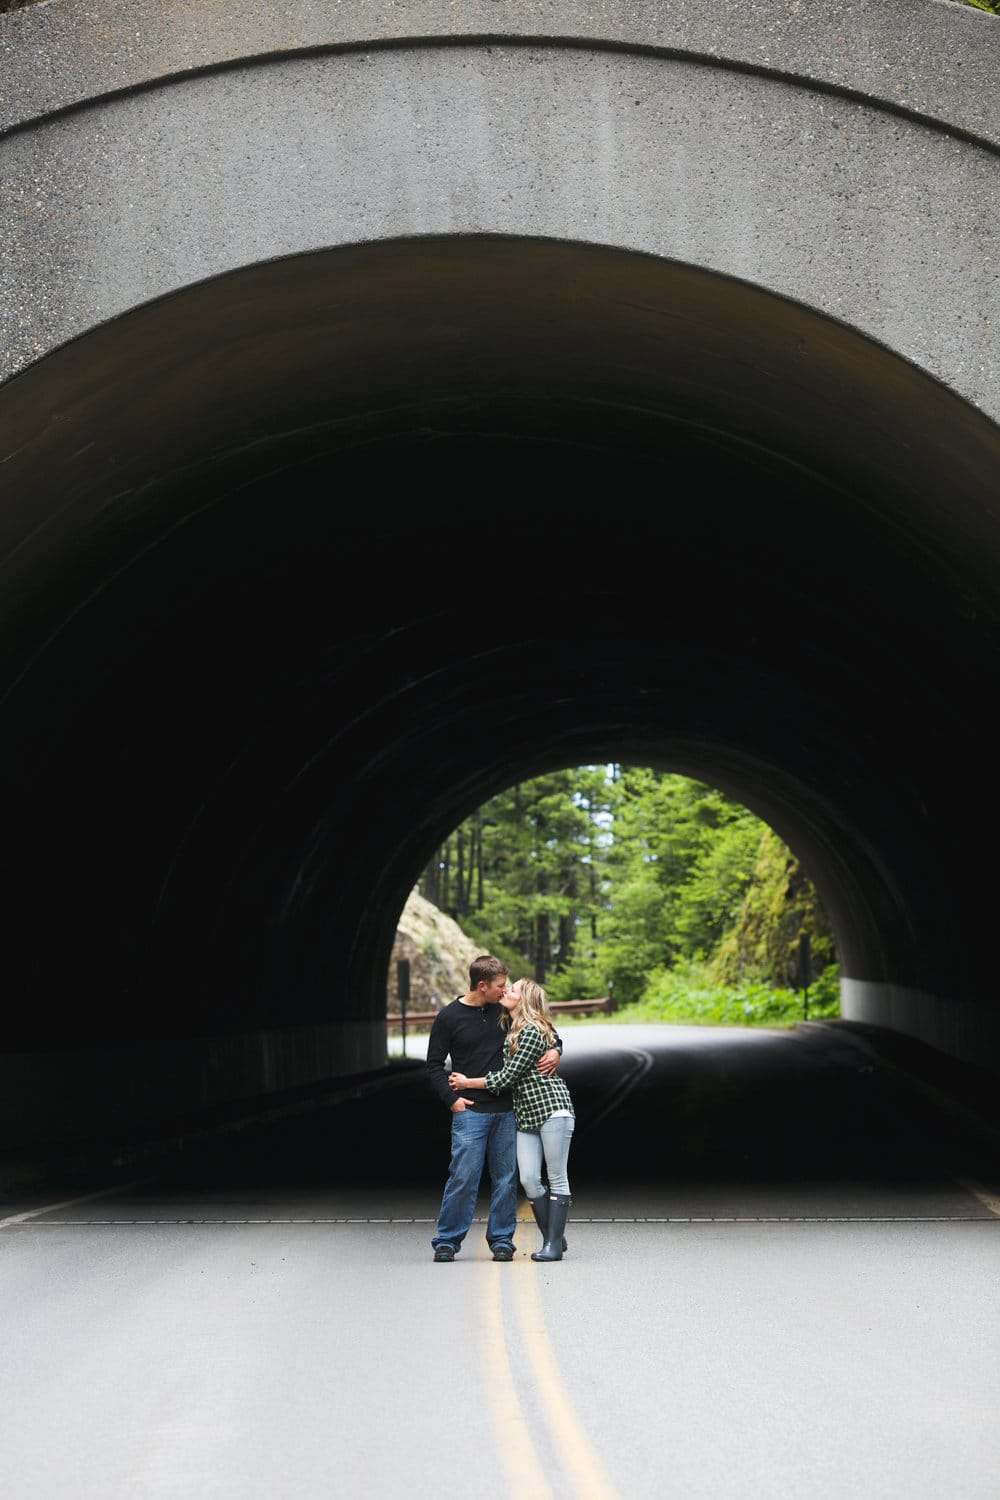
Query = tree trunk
x=430 y=882
x=459 y=909
x=445 y=874
x=567 y=939
x=543 y=946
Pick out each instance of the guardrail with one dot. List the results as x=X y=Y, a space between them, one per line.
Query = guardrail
x=419 y=1018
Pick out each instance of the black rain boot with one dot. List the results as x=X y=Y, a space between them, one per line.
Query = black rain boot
x=540 y=1209
x=558 y=1211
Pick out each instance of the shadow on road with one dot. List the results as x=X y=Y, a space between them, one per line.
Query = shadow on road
x=655 y=1105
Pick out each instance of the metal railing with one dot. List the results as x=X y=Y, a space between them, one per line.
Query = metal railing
x=415 y=1019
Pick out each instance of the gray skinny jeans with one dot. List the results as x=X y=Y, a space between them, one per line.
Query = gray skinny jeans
x=550 y=1143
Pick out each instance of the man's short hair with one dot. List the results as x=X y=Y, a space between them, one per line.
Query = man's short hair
x=486 y=968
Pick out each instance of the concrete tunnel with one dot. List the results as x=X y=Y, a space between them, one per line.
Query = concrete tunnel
x=307 y=556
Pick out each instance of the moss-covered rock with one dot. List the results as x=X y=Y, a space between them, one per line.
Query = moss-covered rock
x=780 y=907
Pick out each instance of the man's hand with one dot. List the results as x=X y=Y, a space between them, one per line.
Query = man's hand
x=461 y=1105
x=549 y=1061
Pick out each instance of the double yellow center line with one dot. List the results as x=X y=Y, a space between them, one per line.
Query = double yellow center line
x=543 y=1389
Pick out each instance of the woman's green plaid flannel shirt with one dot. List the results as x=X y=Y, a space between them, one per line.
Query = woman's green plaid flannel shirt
x=535 y=1096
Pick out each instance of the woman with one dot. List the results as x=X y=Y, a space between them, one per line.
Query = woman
x=543 y=1111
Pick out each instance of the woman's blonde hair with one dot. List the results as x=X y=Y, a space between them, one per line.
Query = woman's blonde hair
x=532 y=1010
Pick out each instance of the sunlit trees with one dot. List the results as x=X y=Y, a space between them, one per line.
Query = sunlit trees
x=599 y=879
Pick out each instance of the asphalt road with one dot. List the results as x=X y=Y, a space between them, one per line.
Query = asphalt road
x=781 y=1281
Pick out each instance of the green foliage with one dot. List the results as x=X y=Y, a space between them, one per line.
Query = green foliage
x=701 y=846
x=701 y=878
x=578 y=980
x=539 y=841
x=717 y=882
x=693 y=998
x=649 y=886
x=635 y=939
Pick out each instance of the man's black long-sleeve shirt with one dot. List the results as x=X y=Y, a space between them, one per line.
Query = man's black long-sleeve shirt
x=472 y=1037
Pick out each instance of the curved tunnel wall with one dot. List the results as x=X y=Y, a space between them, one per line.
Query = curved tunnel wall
x=260 y=536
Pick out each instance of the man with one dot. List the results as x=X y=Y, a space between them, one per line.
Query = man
x=483 y=1131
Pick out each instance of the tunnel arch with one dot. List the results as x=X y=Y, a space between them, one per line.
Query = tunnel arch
x=811 y=182
x=302 y=308
x=253 y=535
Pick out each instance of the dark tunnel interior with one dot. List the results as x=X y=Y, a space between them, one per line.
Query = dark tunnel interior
x=301 y=565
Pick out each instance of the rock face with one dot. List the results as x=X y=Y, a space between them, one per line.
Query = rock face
x=439 y=953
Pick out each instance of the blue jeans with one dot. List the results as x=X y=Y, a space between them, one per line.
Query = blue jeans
x=477 y=1141
x=552 y=1142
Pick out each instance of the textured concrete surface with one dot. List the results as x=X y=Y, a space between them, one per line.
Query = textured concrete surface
x=879 y=221
x=928 y=56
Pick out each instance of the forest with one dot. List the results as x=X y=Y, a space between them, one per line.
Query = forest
x=644 y=886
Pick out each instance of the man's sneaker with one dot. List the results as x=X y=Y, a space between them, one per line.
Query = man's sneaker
x=503 y=1252
x=444 y=1252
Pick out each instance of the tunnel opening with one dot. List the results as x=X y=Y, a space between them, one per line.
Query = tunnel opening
x=259 y=544
x=626 y=891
